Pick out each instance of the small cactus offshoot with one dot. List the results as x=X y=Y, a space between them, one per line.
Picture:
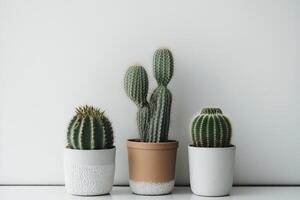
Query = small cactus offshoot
x=90 y=129
x=211 y=129
x=153 y=117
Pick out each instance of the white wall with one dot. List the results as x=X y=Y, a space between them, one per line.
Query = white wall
x=240 y=55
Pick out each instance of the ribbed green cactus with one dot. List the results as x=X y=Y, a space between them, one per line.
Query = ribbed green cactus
x=90 y=129
x=136 y=85
x=211 y=129
x=153 y=117
x=163 y=66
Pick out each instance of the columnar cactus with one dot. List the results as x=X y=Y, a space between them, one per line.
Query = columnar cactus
x=90 y=129
x=211 y=129
x=153 y=117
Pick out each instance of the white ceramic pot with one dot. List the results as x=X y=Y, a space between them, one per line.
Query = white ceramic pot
x=89 y=172
x=211 y=170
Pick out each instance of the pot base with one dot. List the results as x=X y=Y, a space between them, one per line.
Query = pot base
x=204 y=195
x=148 y=188
x=89 y=180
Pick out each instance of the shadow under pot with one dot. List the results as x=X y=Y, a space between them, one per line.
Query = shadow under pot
x=89 y=172
x=152 y=167
x=211 y=170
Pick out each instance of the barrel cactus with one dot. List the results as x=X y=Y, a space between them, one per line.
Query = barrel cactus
x=211 y=129
x=90 y=129
x=153 y=116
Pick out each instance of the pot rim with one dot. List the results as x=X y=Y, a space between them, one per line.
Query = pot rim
x=232 y=146
x=137 y=144
x=89 y=150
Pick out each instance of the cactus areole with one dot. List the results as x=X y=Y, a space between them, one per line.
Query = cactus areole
x=153 y=116
x=90 y=129
x=211 y=129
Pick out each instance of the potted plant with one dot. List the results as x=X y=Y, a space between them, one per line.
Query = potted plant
x=211 y=156
x=152 y=157
x=89 y=157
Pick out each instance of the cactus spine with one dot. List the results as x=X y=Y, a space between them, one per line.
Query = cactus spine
x=211 y=129
x=153 y=117
x=90 y=129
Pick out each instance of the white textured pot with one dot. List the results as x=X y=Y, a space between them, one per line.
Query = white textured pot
x=89 y=172
x=211 y=170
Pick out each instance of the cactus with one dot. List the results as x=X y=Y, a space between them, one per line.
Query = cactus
x=163 y=66
x=211 y=129
x=160 y=120
x=136 y=85
x=90 y=129
x=153 y=117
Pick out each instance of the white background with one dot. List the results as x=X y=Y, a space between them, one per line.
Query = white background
x=242 y=56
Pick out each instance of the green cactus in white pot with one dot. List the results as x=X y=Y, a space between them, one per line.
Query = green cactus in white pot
x=90 y=129
x=211 y=154
x=89 y=158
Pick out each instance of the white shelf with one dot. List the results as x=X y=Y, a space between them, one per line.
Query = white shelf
x=124 y=193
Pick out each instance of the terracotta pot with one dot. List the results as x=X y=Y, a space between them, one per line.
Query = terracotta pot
x=152 y=167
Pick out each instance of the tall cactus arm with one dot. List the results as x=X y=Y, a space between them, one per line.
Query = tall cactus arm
x=163 y=66
x=136 y=85
x=159 y=123
x=167 y=116
x=143 y=119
